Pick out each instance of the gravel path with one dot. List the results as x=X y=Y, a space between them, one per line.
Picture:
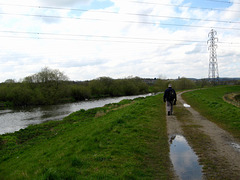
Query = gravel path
x=223 y=144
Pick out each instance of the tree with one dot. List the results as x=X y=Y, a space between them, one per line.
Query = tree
x=46 y=75
x=10 y=81
x=184 y=83
x=48 y=85
x=160 y=85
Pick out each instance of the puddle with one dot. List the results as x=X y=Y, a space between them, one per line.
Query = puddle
x=236 y=146
x=186 y=105
x=184 y=160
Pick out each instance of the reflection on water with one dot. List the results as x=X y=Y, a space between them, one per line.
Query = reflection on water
x=14 y=120
x=236 y=146
x=184 y=160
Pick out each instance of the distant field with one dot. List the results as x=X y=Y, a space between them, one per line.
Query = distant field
x=210 y=103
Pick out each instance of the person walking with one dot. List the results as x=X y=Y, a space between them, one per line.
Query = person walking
x=171 y=99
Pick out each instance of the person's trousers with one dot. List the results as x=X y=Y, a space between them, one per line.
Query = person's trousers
x=169 y=107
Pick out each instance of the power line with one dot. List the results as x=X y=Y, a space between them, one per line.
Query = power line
x=149 y=23
x=97 y=40
x=106 y=38
x=110 y=38
x=184 y=6
x=136 y=22
x=139 y=2
x=135 y=14
x=226 y=2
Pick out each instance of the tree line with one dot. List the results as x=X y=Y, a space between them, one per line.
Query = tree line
x=52 y=87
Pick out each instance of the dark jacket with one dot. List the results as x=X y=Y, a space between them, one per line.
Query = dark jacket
x=166 y=95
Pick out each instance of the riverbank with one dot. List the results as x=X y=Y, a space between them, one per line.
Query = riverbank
x=20 y=118
x=127 y=140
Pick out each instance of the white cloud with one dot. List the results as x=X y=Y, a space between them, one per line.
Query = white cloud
x=145 y=50
x=64 y=2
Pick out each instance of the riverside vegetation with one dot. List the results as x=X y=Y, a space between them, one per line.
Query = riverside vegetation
x=50 y=86
x=127 y=140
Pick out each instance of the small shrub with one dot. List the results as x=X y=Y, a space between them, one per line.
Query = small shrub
x=237 y=97
x=77 y=162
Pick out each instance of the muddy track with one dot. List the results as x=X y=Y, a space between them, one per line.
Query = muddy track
x=230 y=98
x=214 y=146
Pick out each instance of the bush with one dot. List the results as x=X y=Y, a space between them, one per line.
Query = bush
x=44 y=90
x=80 y=93
x=184 y=83
x=1 y=142
x=237 y=97
x=20 y=96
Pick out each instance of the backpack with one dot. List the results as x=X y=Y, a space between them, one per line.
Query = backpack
x=171 y=95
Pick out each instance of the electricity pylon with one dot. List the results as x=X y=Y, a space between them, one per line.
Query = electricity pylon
x=212 y=46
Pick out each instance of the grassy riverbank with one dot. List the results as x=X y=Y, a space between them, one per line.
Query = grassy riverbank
x=127 y=140
x=209 y=102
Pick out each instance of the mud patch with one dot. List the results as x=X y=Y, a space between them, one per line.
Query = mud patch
x=232 y=98
x=184 y=160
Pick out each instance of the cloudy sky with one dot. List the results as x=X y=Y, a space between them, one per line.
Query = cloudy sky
x=87 y=39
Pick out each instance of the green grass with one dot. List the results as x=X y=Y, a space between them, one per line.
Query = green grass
x=210 y=103
x=127 y=141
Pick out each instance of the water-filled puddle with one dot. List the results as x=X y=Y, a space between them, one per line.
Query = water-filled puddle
x=184 y=160
x=236 y=146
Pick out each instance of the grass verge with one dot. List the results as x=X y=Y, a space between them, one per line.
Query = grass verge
x=127 y=140
x=210 y=103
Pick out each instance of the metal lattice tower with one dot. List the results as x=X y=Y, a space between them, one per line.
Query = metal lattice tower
x=212 y=46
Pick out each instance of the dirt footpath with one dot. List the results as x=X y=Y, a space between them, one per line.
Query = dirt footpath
x=217 y=150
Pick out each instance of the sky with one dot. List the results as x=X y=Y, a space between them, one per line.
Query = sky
x=88 y=39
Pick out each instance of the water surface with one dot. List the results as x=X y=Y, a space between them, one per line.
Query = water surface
x=14 y=120
x=184 y=160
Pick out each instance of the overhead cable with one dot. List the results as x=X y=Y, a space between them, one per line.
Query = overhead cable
x=37 y=35
x=139 y=2
x=182 y=6
x=104 y=37
x=136 y=22
x=226 y=2
x=135 y=14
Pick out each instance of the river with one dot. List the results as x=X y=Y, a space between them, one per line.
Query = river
x=12 y=120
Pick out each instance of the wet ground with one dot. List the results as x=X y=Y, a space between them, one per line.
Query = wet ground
x=184 y=159
x=218 y=153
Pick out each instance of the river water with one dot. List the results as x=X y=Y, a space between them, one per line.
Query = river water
x=14 y=120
